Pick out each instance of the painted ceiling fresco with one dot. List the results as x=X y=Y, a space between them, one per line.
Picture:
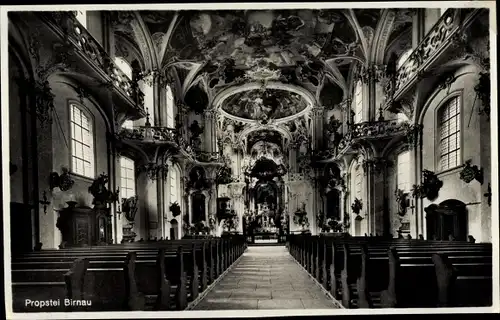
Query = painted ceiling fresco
x=264 y=104
x=282 y=37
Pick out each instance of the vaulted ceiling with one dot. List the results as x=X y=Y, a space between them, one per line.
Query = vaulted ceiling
x=307 y=48
x=263 y=65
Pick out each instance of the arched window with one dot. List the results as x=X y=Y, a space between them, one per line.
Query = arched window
x=82 y=142
x=128 y=124
x=170 y=108
x=147 y=88
x=81 y=16
x=174 y=185
x=356 y=185
x=403 y=58
x=124 y=66
x=401 y=117
x=358 y=100
x=127 y=174
x=403 y=167
x=356 y=181
x=449 y=134
x=359 y=181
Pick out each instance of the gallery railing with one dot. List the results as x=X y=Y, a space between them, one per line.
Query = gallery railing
x=370 y=130
x=156 y=134
x=150 y=134
x=448 y=27
x=70 y=29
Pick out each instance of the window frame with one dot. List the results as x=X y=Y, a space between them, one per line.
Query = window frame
x=134 y=175
x=170 y=108
x=91 y=119
x=437 y=127
x=175 y=185
x=86 y=18
x=123 y=126
x=400 y=62
x=398 y=154
x=358 y=84
x=123 y=60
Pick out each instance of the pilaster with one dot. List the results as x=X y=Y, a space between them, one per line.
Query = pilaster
x=210 y=126
x=375 y=170
x=318 y=120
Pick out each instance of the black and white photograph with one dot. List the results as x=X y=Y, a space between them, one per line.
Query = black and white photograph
x=249 y=159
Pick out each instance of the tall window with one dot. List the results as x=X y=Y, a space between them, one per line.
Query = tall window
x=170 y=108
x=173 y=186
x=449 y=133
x=401 y=117
x=81 y=16
x=127 y=185
x=403 y=178
x=82 y=143
x=128 y=124
x=358 y=98
x=124 y=66
x=359 y=180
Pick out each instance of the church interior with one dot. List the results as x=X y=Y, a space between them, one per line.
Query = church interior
x=238 y=130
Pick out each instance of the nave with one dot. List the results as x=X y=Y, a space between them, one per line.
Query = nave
x=150 y=150
x=267 y=277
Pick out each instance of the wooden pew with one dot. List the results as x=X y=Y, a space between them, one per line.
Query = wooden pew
x=105 y=263
x=372 y=276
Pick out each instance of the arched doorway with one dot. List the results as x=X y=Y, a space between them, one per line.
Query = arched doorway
x=174 y=229
x=448 y=220
x=357 y=225
x=198 y=205
x=333 y=204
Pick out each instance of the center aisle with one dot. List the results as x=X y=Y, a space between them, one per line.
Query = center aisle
x=266 y=277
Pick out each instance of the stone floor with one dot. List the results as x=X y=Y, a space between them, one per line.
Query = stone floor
x=266 y=278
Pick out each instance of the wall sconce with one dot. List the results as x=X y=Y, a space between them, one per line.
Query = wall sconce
x=62 y=181
x=45 y=202
x=118 y=211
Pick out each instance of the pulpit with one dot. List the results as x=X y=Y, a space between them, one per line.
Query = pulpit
x=84 y=226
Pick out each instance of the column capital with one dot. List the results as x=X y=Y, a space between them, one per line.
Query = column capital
x=372 y=73
x=210 y=113
x=318 y=110
x=151 y=77
x=413 y=135
x=376 y=165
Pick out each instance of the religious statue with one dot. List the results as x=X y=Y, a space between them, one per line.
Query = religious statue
x=129 y=208
x=100 y=193
x=196 y=131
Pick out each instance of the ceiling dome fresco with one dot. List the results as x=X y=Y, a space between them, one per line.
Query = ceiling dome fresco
x=264 y=104
x=282 y=36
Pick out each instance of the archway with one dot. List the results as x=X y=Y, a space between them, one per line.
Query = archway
x=447 y=221
x=198 y=203
x=333 y=204
x=174 y=229
x=357 y=225
x=265 y=203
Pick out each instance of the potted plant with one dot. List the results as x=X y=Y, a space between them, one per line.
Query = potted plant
x=175 y=208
